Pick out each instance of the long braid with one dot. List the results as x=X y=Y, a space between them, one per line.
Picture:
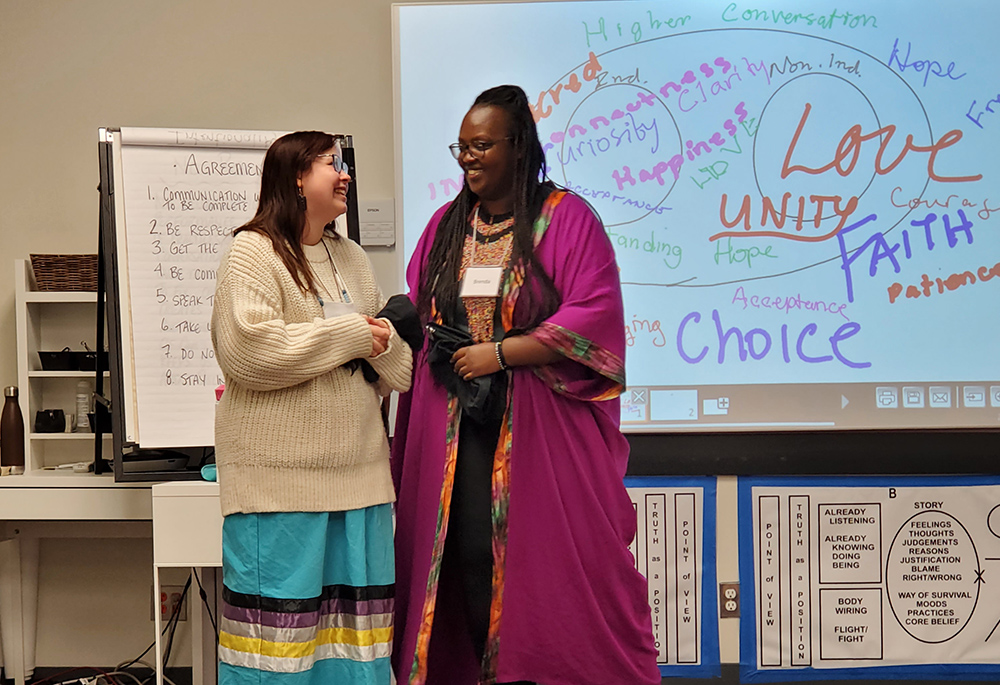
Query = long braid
x=440 y=281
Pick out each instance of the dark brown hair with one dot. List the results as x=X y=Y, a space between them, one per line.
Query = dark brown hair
x=279 y=215
x=439 y=282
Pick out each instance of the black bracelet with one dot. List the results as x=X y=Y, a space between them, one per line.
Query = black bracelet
x=500 y=358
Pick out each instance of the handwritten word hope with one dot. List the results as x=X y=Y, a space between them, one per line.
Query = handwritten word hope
x=929 y=67
x=726 y=254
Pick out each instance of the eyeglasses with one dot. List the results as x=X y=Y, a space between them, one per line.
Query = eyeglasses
x=339 y=165
x=476 y=148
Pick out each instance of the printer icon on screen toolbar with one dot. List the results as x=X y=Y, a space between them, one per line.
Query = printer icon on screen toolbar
x=886 y=397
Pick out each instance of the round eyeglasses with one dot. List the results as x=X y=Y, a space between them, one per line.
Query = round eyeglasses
x=339 y=165
x=476 y=148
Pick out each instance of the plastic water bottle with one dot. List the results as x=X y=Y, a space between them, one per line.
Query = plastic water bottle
x=82 y=406
x=12 y=432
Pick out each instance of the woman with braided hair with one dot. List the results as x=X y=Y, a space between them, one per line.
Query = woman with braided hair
x=513 y=523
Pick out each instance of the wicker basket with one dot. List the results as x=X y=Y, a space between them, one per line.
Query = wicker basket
x=65 y=271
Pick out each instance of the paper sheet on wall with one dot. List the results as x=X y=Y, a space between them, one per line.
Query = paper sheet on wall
x=674 y=551
x=890 y=572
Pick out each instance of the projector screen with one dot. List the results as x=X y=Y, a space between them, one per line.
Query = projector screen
x=803 y=198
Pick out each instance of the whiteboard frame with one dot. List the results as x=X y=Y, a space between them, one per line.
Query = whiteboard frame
x=700 y=450
x=129 y=406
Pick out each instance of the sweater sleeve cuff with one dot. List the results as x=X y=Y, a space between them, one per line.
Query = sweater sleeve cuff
x=395 y=365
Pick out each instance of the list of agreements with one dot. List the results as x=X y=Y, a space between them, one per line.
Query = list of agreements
x=669 y=551
x=871 y=575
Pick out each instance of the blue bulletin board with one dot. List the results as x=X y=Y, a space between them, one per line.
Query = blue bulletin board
x=674 y=549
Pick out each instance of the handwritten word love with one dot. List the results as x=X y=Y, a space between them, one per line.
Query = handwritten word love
x=849 y=149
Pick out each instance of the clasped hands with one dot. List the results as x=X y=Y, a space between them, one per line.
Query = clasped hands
x=380 y=334
x=475 y=361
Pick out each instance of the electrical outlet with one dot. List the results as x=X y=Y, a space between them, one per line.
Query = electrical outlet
x=170 y=596
x=729 y=600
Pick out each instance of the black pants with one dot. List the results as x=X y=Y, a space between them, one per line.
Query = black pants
x=468 y=550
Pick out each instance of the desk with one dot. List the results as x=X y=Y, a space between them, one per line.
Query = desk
x=187 y=532
x=51 y=504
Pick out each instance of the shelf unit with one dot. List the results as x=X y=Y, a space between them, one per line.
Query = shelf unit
x=51 y=321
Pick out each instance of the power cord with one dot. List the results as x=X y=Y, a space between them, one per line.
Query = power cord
x=175 y=618
x=127 y=674
x=171 y=627
x=204 y=600
x=109 y=677
x=73 y=681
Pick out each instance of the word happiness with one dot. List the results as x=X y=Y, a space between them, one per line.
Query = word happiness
x=674 y=164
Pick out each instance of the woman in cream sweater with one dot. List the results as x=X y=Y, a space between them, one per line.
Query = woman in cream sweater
x=302 y=457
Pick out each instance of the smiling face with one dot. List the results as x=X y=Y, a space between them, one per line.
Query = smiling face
x=325 y=190
x=489 y=174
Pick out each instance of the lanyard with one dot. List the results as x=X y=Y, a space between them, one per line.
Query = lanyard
x=341 y=285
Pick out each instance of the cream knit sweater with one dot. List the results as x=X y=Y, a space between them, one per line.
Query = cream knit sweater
x=296 y=430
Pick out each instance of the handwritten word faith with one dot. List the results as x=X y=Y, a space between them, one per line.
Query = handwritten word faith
x=881 y=250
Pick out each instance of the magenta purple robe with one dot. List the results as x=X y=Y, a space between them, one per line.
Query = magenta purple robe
x=574 y=607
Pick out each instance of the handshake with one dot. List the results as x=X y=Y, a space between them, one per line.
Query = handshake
x=380 y=335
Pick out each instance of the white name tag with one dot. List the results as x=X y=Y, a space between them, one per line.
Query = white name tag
x=482 y=281
x=331 y=310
